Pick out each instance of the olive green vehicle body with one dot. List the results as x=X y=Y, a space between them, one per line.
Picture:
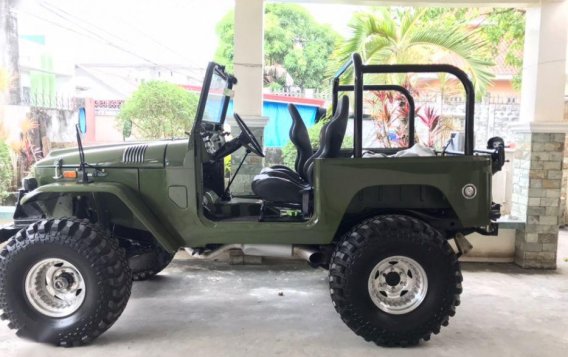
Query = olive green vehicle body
x=162 y=193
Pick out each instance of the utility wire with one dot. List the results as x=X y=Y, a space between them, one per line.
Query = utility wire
x=98 y=36
x=83 y=24
x=81 y=33
x=153 y=40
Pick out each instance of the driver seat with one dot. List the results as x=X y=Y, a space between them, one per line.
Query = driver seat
x=301 y=140
x=281 y=190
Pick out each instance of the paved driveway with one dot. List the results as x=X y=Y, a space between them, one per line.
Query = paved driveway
x=212 y=309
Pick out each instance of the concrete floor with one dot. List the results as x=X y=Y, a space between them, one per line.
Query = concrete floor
x=213 y=309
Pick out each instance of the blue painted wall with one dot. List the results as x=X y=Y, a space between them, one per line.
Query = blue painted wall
x=276 y=133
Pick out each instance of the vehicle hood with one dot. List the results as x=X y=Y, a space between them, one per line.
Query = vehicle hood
x=139 y=154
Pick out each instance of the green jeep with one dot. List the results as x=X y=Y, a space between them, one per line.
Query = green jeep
x=94 y=219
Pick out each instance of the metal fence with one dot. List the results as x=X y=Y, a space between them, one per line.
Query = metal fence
x=108 y=106
x=424 y=98
x=48 y=100
x=458 y=99
x=296 y=93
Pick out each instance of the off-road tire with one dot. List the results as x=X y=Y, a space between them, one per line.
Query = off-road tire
x=365 y=246
x=98 y=258
x=146 y=260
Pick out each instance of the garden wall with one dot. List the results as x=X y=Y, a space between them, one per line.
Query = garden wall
x=492 y=116
x=31 y=133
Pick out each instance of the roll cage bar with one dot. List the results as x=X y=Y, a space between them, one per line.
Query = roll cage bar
x=385 y=87
x=359 y=70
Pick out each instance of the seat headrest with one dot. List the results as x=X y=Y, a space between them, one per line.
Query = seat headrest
x=331 y=136
x=335 y=132
x=300 y=138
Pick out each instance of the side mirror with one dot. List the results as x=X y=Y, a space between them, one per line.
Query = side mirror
x=82 y=120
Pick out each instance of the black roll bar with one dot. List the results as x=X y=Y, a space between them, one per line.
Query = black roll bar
x=386 y=87
x=360 y=69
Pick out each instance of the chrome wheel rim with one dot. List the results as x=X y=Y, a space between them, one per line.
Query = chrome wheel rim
x=55 y=287
x=398 y=285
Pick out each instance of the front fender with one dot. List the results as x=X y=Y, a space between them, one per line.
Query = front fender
x=129 y=197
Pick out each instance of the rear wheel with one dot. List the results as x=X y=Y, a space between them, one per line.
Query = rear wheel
x=63 y=281
x=395 y=280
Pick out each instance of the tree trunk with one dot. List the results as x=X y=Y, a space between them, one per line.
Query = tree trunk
x=9 y=56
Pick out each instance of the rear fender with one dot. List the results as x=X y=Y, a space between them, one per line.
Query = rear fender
x=126 y=195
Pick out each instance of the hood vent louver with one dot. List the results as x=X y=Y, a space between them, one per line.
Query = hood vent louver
x=134 y=154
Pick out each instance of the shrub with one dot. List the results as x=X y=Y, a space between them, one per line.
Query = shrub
x=6 y=171
x=158 y=110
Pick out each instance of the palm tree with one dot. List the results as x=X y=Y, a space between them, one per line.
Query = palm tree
x=389 y=36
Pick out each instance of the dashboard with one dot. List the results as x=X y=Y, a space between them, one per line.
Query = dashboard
x=213 y=137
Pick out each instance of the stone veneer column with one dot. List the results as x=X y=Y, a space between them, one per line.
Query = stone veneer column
x=563 y=197
x=536 y=197
x=540 y=135
x=253 y=164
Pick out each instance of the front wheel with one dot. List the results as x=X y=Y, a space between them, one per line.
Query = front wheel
x=63 y=281
x=395 y=280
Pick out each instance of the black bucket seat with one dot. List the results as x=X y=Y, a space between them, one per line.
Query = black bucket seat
x=289 y=189
x=301 y=140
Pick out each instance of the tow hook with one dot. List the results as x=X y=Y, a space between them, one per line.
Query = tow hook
x=464 y=246
x=495 y=211
x=490 y=230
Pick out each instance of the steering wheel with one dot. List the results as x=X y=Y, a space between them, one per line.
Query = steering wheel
x=247 y=138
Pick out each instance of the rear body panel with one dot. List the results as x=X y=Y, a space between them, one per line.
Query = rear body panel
x=338 y=182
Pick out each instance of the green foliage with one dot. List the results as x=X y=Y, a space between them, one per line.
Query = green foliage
x=225 y=52
x=126 y=129
x=507 y=26
x=504 y=30
x=158 y=110
x=6 y=170
x=292 y=38
x=405 y=35
x=227 y=166
x=289 y=150
x=275 y=86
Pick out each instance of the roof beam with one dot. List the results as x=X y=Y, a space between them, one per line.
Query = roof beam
x=428 y=3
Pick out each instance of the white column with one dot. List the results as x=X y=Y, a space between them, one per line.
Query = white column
x=249 y=57
x=248 y=62
x=544 y=62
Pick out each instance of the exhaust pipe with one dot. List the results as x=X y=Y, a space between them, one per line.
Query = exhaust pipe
x=312 y=256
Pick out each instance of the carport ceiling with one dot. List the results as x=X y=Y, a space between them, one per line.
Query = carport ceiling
x=449 y=3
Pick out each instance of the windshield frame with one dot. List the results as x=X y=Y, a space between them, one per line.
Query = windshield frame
x=215 y=69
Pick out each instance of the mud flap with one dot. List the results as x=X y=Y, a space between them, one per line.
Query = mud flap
x=7 y=232
x=463 y=245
